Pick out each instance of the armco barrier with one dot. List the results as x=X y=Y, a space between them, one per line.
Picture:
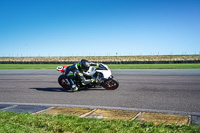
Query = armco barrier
x=113 y=62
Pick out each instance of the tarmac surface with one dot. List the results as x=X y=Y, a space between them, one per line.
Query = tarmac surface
x=145 y=94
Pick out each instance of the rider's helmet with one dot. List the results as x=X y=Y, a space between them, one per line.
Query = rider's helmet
x=85 y=64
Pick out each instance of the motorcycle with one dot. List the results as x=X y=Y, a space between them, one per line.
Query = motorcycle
x=102 y=74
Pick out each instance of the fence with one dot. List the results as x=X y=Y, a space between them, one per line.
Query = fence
x=109 y=62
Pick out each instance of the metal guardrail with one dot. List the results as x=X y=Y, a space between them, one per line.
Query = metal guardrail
x=109 y=62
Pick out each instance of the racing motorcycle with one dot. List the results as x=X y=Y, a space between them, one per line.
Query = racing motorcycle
x=102 y=74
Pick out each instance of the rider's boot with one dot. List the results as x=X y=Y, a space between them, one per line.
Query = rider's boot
x=74 y=88
x=73 y=85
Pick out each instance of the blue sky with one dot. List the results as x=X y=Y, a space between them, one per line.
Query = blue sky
x=99 y=27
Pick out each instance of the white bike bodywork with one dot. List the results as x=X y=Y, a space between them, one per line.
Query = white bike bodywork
x=92 y=70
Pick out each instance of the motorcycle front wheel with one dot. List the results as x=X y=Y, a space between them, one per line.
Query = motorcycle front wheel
x=110 y=84
x=62 y=82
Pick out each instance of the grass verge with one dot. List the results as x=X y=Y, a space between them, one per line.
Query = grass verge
x=43 y=123
x=31 y=66
x=154 y=66
x=112 y=66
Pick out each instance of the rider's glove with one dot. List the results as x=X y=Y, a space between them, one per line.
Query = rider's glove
x=93 y=80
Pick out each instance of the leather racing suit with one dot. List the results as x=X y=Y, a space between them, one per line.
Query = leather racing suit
x=77 y=71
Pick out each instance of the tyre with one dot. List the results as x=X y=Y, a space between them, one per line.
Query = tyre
x=62 y=82
x=111 y=84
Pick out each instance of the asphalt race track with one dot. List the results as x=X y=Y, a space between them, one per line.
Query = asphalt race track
x=163 y=90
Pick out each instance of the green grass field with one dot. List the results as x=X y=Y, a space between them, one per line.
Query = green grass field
x=112 y=66
x=43 y=123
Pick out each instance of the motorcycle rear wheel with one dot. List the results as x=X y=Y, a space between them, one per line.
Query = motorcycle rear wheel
x=62 y=82
x=111 y=84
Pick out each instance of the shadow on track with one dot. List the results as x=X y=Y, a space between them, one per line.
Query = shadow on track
x=53 y=89
x=59 y=89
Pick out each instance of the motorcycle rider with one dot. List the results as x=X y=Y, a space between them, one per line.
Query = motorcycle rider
x=77 y=70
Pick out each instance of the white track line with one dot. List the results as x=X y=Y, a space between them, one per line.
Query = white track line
x=10 y=107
